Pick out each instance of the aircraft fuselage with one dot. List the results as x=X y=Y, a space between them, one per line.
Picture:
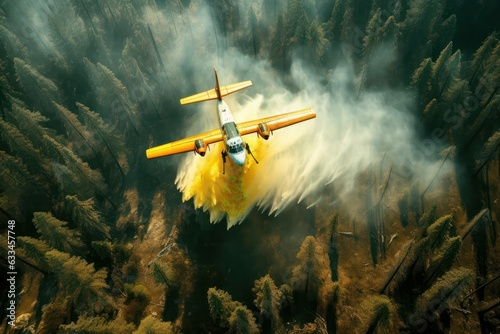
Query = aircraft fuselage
x=232 y=139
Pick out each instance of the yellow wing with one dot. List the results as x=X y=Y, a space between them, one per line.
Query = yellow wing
x=184 y=145
x=211 y=94
x=278 y=121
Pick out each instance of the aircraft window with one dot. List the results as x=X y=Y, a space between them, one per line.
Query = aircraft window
x=231 y=130
x=236 y=148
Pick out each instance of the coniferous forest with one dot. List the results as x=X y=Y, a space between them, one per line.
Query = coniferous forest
x=380 y=217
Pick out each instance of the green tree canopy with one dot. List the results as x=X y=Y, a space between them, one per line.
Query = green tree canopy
x=55 y=233
x=87 y=217
x=78 y=280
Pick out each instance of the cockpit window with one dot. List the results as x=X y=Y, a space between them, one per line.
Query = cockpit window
x=236 y=148
x=230 y=130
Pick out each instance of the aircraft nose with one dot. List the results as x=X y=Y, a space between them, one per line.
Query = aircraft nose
x=240 y=158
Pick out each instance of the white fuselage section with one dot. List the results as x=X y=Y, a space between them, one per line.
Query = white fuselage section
x=232 y=138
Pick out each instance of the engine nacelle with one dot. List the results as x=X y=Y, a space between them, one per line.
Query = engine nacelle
x=200 y=147
x=263 y=130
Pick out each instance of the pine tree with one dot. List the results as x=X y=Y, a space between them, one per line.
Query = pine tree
x=151 y=324
x=416 y=29
x=78 y=280
x=348 y=27
x=242 y=321
x=55 y=233
x=335 y=21
x=488 y=151
x=453 y=69
x=446 y=290
x=422 y=80
x=112 y=94
x=317 y=42
x=29 y=123
x=16 y=177
x=12 y=44
x=221 y=305
x=268 y=298
x=476 y=65
x=431 y=114
x=296 y=23
x=113 y=90
x=445 y=32
x=67 y=31
x=456 y=92
x=438 y=232
x=34 y=249
x=88 y=179
x=443 y=261
x=372 y=38
x=87 y=217
x=279 y=45
x=253 y=28
x=113 y=141
x=440 y=70
x=138 y=85
x=40 y=89
x=309 y=274
x=380 y=312
x=23 y=148
x=99 y=325
x=480 y=121
x=77 y=134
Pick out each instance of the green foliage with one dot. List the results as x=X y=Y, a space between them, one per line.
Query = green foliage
x=76 y=175
x=112 y=94
x=39 y=88
x=317 y=42
x=35 y=249
x=242 y=321
x=438 y=232
x=103 y=249
x=98 y=325
x=309 y=274
x=55 y=233
x=221 y=305
x=152 y=325
x=138 y=292
x=445 y=32
x=419 y=24
x=112 y=141
x=279 y=45
x=29 y=123
x=78 y=280
x=138 y=298
x=380 y=312
x=446 y=290
x=14 y=47
x=481 y=55
x=440 y=69
x=268 y=298
x=335 y=22
x=443 y=261
x=75 y=130
x=21 y=146
x=15 y=175
x=488 y=150
x=87 y=217
x=421 y=79
x=164 y=273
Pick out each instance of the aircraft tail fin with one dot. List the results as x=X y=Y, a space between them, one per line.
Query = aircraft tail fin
x=217 y=93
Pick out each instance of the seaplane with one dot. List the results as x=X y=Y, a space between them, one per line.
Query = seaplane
x=229 y=131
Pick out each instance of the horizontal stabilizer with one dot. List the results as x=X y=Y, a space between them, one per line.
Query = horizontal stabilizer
x=212 y=93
